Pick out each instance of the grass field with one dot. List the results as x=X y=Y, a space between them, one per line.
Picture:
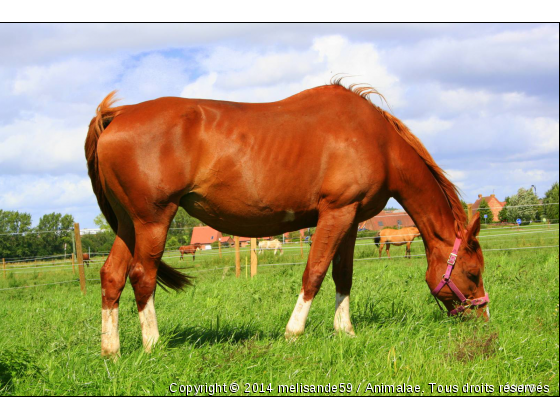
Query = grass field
x=228 y=329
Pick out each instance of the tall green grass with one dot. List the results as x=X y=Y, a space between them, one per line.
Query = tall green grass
x=228 y=329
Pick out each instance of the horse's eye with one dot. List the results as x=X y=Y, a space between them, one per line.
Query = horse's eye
x=473 y=277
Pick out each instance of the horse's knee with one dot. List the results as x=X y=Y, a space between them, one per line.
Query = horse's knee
x=312 y=283
x=142 y=283
x=112 y=284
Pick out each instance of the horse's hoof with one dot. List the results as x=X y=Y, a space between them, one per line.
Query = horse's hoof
x=290 y=335
x=110 y=354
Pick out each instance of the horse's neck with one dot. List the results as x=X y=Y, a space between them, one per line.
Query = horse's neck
x=421 y=196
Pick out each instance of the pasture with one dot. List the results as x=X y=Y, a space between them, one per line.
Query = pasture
x=228 y=329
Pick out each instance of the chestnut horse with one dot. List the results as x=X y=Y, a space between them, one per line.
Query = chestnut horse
x=86 y=259
x=189 y=249
x=326 y=157
x=395 y=237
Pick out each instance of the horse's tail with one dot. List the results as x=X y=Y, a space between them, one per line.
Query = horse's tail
x=376 y=240
x=166 y=275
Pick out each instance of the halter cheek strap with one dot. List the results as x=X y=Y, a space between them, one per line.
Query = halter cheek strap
x=446 y=280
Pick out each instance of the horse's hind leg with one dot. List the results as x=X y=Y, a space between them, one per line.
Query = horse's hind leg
x=343 y=264
x=381 y=245
x=113 y=277
x=331 y=229
x=148 y=250
x=408 y=249
x=387 y=246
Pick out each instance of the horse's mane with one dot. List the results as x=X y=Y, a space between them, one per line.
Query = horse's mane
x=449 y=190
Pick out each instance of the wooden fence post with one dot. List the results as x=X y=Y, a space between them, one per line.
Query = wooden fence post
x=469 y=213
x=220 y=248
x=253 y=257
x=237 y=257
x=301 y=243
x=79 y=255
x=4 y=267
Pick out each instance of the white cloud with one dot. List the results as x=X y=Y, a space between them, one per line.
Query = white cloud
x=203 y=87
x=42 y=194
x=427 y=127
x=520 y=58
x=272 y=75
x=31 y=191
x=65 y=78
x=41 y=145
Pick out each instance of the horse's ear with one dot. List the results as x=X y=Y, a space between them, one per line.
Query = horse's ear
x=474 y=227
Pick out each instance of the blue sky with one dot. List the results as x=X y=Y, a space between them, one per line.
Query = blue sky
x=482 y=97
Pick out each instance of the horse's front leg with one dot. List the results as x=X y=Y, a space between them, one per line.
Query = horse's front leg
x=332 y=227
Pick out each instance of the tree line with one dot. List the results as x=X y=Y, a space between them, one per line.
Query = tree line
x=54 y=234
x=49 y=237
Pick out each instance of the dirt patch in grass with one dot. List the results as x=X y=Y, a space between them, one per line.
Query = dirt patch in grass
x=476 y=346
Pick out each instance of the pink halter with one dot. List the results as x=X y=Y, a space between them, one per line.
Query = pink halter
x=446 y=280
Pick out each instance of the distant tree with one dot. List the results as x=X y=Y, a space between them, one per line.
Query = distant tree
x=182 y=226
x=101 y=222
x=15 y=240
x=550 y=208
x=172 y=242
x=484 y=209
x=503 y=214
x=523 y=205
x=53 y=231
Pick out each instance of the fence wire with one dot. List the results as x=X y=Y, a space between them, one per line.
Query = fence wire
x=278 y=264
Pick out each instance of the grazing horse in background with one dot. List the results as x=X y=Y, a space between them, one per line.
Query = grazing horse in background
x=86 y=259
x=325 y=157
x=189 y=249
x=399 y=237
x=274 y=244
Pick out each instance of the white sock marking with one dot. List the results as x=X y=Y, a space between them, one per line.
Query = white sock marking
x=342 y=321
x=148 y=322
x=296 y=325
x=110 y=344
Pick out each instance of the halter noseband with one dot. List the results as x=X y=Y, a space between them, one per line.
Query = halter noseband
x=446 y=280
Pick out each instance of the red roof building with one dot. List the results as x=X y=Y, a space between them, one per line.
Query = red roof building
x=227 y=239
x=495 y=205
x=205 y=235
x=385 y=219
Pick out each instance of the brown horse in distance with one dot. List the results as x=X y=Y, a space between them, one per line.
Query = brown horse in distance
x=399 y=237
x=326 y=157
x=189 y=249
x=86 y=259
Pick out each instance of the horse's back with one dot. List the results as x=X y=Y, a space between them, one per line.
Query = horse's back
x=244 y=161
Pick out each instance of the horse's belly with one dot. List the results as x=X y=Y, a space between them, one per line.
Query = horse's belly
x=228 y=213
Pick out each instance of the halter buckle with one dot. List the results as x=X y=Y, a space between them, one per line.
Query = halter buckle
x=452 y=259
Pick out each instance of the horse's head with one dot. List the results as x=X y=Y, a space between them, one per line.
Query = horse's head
x=197 y=245
x=455 y=274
